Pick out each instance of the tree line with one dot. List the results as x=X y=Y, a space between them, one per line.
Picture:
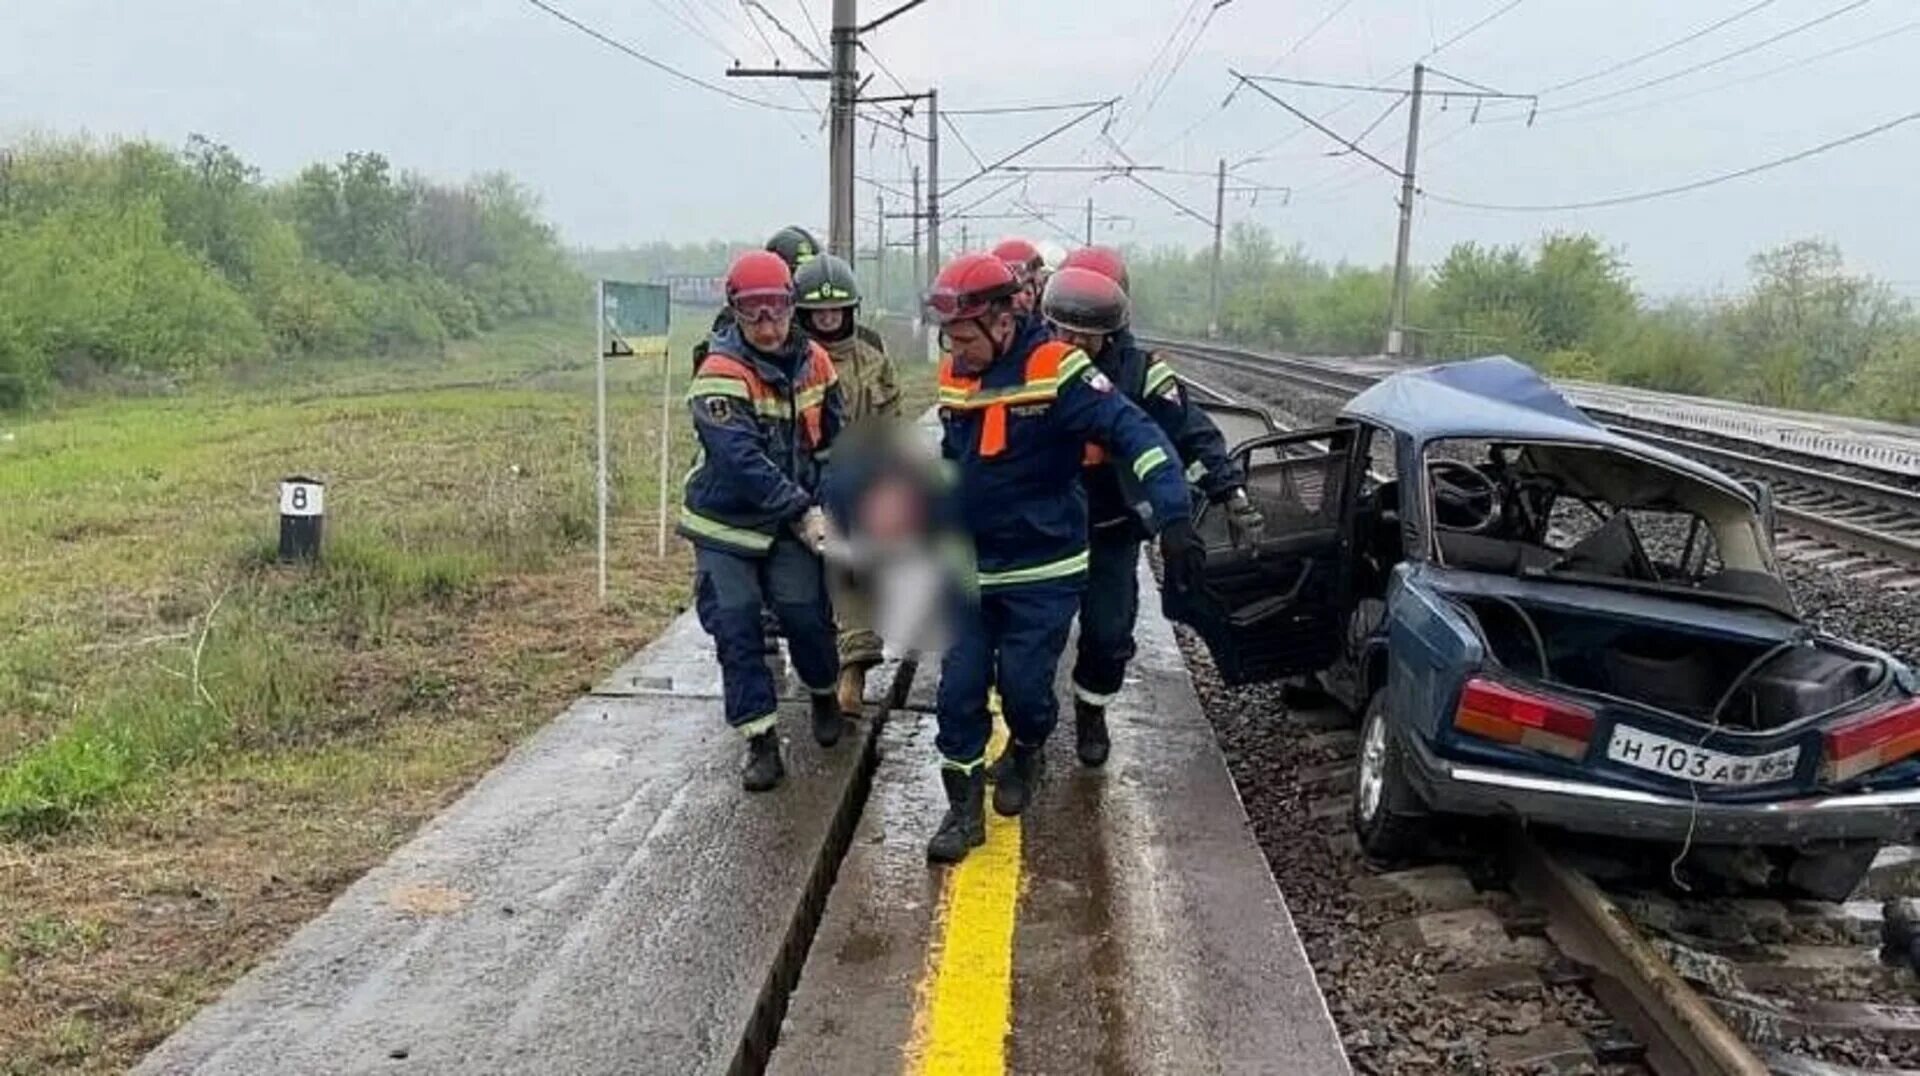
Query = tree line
x=1804 y=333
x=135 y=259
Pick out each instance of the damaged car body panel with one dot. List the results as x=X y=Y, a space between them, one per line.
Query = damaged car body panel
x=1542 y=617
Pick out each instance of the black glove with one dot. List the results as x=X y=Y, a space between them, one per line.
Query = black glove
x=1182 y=558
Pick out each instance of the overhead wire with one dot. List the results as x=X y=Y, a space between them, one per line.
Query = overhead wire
x=1681 y=188
x=773 y=54
x=1827 y=54
x=1011 y=110
x=1032 y=144
x=699 y=30
x=1332 y=14
x=1140 y=118
x=694 y=12
x=812 y=26
x=1466 y=33
x=1166 y=43
x=1462 y=35
x=1702 y=65
x=1688 y=39
x=766 y=13
x=658 y=65
x=978 y=161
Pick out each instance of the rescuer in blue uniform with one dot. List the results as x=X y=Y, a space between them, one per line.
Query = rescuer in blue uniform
x=766 y=406
x=1017 y=410
x=1086 y=302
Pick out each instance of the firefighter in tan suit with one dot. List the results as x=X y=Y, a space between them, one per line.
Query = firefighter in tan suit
x=828 y=297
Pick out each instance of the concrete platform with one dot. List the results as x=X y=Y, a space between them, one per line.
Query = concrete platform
x=606 y=901
x=1147 y=933
x=609 y=901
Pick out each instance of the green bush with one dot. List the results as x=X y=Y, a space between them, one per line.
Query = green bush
x=135 y=259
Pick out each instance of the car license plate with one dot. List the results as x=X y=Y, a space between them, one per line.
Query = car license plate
x=1648 y=751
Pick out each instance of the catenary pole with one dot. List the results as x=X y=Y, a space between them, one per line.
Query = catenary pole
x=845 y=84
x=1219 y=219
x=1397 y=324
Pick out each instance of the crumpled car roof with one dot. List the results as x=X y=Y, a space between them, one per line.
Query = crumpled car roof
x=1500 y=398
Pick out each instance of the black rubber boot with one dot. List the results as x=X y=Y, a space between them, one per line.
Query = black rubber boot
x=764 y=767
x=997 y=769
x=1025 y=764
x=1090 y=733
x=965 y=826
x=827 y=722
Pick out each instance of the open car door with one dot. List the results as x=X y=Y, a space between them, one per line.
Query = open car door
x=1274 y=611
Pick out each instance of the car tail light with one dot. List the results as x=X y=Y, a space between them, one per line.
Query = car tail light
x=1871 y=740
x=1500 y=713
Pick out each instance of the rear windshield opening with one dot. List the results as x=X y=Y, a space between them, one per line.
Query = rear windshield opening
x=1590 y=513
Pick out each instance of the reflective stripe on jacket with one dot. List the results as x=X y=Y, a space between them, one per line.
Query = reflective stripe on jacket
x=1016 y=434
x=765 y=424
x=1149 y=381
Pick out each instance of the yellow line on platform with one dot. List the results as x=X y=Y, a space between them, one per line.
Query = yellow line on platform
x=965 y=1006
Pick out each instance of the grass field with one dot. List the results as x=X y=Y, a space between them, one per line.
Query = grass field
x=200 y=747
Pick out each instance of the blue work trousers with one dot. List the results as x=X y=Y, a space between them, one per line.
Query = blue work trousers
x=730 y=590
x=1108 y=610
x=1011 y=638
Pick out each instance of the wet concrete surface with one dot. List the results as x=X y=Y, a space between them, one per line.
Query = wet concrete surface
x=1150 y=935
x=853 y=1010
x=607 y=901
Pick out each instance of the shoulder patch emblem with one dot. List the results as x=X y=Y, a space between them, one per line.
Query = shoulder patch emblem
x=1099 y=381
x=1171 y=393
x=719 y=408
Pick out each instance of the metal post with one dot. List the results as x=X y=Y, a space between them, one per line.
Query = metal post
x=879 y=252
x=600 y=420
x=1219 y=218
x=1397 y=326
x=933 y=186
x=966 y=241
x=666 y=442
x=1089 y=221
x=840 y=137
x=919 y=315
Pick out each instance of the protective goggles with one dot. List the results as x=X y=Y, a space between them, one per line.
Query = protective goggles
x=947 y=307
x=762 y=305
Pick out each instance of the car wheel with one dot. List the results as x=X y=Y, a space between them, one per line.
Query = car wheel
x=1386 y=812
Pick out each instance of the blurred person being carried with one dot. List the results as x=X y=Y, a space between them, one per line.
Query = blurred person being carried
x=829 y=304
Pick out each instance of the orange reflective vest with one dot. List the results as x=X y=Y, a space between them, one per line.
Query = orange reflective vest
x=1040 y=382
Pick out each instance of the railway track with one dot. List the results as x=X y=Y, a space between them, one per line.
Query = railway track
x=1712 y=986
x=1837 y=513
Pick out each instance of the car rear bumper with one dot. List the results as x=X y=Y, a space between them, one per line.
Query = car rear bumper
x=1583 y=806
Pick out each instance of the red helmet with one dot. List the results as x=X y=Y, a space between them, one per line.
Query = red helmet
x=1082 y=300
x=760 y=286
x=1106 y=261
x=1020 y=256
x=970 y=287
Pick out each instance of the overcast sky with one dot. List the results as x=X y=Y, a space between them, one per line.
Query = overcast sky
x=623 y=153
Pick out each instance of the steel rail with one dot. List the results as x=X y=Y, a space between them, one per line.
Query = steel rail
x=1683 y=1033
x=1820 y=523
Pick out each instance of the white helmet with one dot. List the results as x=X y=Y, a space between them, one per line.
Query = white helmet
x=1051 y=253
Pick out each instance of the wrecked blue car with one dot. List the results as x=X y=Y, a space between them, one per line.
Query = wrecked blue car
x=1541 y=617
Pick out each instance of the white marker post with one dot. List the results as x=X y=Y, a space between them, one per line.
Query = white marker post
x=666 y=437
x=303 y=513
x=600 y=394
